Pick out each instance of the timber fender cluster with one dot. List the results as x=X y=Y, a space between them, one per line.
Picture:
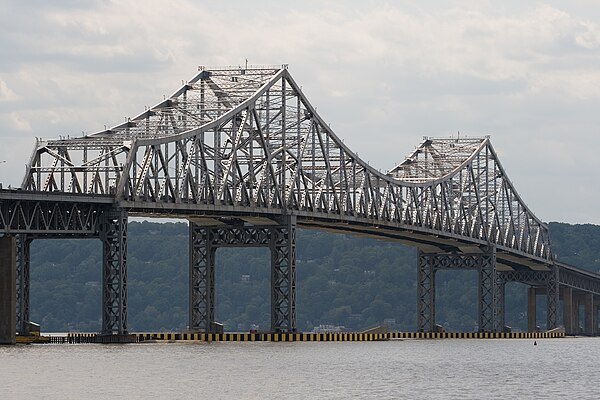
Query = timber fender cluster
x=76 y=338
x=339 y=337
x=295 y=337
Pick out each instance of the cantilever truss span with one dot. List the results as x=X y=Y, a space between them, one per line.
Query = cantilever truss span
x=247 y=140
x=243 y=155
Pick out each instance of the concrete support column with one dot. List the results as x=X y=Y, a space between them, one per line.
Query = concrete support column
x=576 y=330
x=531 y=309
x=8 y=290
x=568 y=310
x=596 y=309
x=590 y=319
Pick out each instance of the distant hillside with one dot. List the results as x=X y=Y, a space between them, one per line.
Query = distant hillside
x=342 y=280
x=577 y=245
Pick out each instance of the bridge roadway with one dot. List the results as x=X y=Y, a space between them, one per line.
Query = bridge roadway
x=246 y=159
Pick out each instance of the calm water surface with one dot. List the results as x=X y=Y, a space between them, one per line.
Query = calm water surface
x=410 y=369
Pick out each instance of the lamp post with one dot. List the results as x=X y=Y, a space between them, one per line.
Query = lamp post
x=2 y=162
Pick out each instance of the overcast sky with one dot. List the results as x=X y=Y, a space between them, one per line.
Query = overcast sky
x=383 y=74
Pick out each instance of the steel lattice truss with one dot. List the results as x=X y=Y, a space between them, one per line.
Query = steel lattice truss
x=44 y=216
x=248 y=140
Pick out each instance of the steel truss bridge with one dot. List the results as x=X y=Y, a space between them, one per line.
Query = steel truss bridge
x=245 y=158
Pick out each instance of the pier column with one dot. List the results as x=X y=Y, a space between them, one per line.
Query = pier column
x=596 y=309
x=425 y=292
x=553 y=298
x=23 y=255
x=8 y=291
x=590 y=318
x=500 y=319
x=113 y=233
x=486 y=263
x=202 y=278
x=576 y=302
x=283 y=276
x=531 y=309
x=568 y=310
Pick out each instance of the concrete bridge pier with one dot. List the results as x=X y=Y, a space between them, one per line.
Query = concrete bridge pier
x=531 y=309
x=8 y=317
x=573 y=300
x=596 y=319
x=576 y=309
x=568 y=310
x=591 y=323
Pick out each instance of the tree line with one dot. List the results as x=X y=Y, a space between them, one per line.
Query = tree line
x=342 y=280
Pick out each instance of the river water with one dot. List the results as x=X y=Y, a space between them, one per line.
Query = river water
x=409 y=369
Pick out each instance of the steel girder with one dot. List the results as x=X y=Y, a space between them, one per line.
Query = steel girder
x=113 y=233
x=281 y=240
x=484 y=262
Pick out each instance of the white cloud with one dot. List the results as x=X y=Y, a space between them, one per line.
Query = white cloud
x=19 y=122
x=5 y=93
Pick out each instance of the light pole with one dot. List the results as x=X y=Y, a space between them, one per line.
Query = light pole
x=2 y=162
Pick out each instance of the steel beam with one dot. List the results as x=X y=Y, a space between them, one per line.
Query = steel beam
x=113 y=233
